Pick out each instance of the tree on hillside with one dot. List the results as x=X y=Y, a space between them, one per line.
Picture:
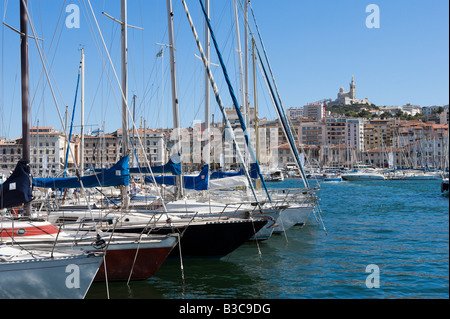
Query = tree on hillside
x=385 y=115
x=364 y=113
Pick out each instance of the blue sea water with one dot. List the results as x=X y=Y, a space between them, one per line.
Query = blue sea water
x=398 y=228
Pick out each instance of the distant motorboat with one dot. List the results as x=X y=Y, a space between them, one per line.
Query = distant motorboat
x=274 y=176
x=419 y=175
x=332 y=177
x=365 y=175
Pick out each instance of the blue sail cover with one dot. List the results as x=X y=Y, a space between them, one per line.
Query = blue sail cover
x=117 y=175
x=170 y=167
x=253 y=173
x=198 y=183
x=16 y=190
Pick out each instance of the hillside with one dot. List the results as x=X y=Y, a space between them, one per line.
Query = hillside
x=351 y=110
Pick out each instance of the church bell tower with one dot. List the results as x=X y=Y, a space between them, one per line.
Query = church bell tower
x=353 y=88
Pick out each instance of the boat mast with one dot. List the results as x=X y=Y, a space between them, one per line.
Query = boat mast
x=241 y=72
x=123 y=7
x=255 y=97
x=207 y=151
x=246 y=99
x=82 y=115
x=25 y=90
x=176 y=118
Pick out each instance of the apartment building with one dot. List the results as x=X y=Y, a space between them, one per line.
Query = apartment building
x=48 y=148
x=309 y=153
x=294 y=113
x=312 y=133
x=335 y=131
x=100 y=151
x=378 y=133
x=354 y=135
x=153 y=141
x=314 y=110
x=10 y=153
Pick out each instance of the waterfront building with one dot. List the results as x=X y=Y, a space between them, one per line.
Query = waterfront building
x=48 y=148
x=100 y=150
x=312 y=133
x=10 y=153
x=354 y=135
x=152 y=140
x=378 y=133
x=335 y=131
x=310 y=153
x=426 y=142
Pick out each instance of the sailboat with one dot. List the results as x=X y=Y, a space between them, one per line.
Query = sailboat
x=40 y=274
x=299 y=203
x=26 y=272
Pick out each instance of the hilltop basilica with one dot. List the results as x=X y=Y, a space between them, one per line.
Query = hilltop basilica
x=348 y=98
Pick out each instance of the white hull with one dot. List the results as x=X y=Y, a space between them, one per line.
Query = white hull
x=65 y=276
x=218 y=209
x=362 y=177
x=420 y=177
x=291 y=216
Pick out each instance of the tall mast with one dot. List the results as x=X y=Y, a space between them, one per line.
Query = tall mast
x=241 y=71
x=123 y=7
x=246 y=102
x=25 y=90
x=255 y=97
x=207 y=132
x=82 y=115
x=176 y=118
x=124 y=77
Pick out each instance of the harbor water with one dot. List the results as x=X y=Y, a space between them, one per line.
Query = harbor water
x=383 y=240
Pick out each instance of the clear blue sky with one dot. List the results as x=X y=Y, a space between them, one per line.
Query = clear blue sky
x=314 y=48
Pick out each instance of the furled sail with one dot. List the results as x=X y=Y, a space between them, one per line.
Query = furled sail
x=16 y=190
x=170 y=167
x=117 y=175
x=199 y=182
x=253 y=173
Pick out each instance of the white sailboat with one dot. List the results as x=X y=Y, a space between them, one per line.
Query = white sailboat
x=26 y=272
x=42 y=274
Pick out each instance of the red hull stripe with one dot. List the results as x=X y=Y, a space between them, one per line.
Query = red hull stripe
x=29 y=231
